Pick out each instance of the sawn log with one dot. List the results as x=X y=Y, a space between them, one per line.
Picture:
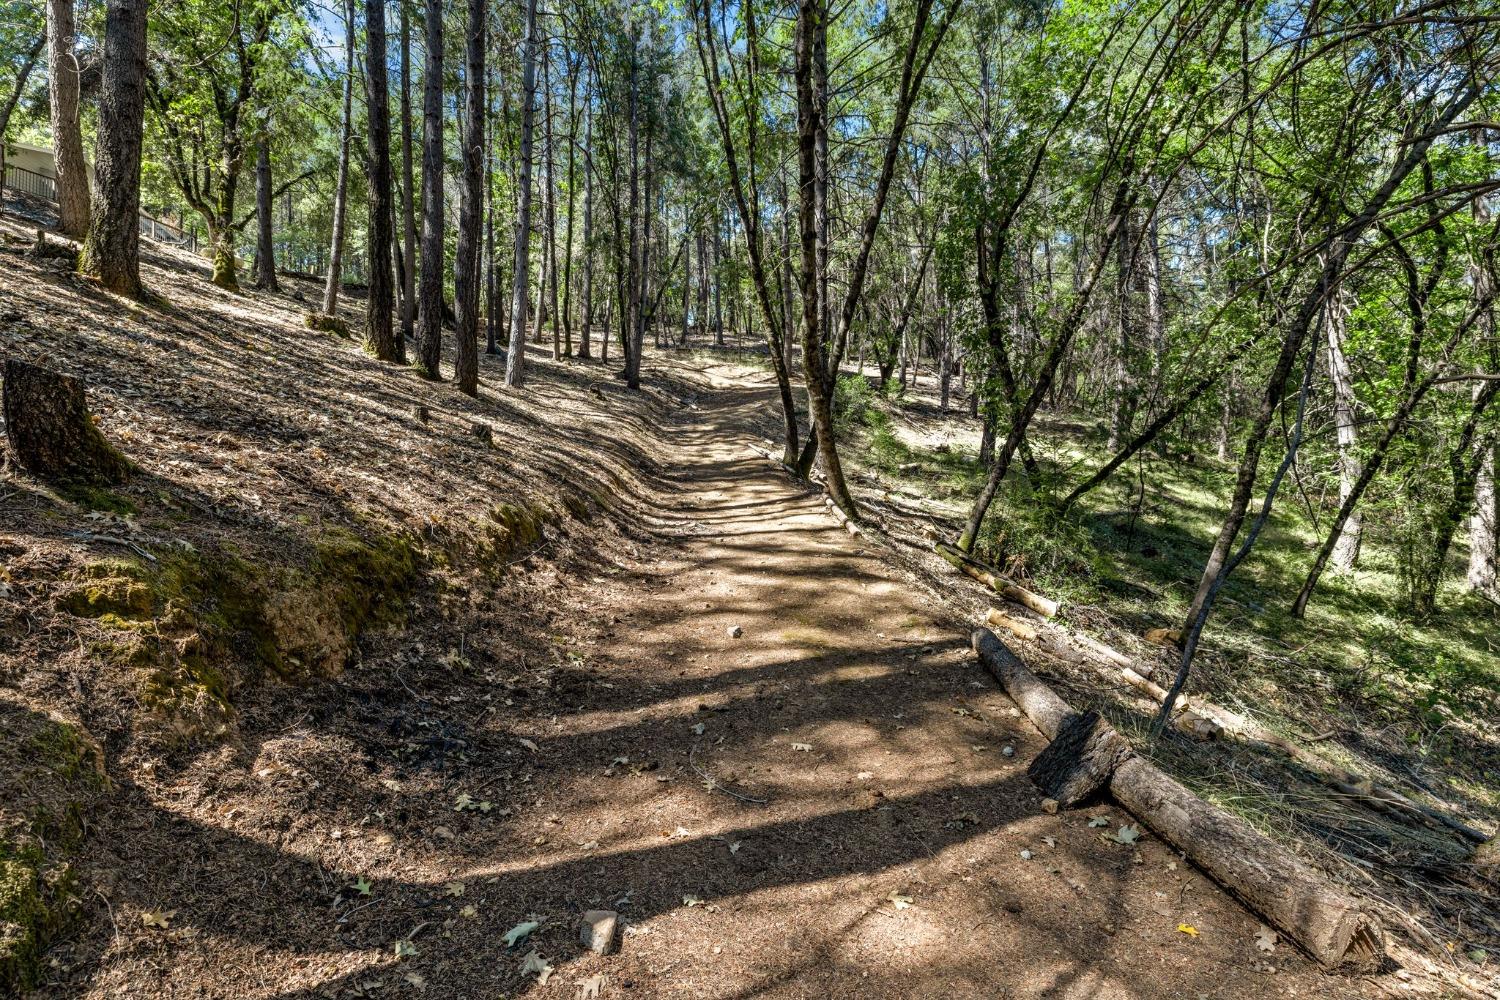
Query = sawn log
x=1329 y=924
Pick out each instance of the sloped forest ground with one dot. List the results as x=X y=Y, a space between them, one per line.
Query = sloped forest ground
x=337 y=698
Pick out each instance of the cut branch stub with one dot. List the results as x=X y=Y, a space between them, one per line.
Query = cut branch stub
x=50 y=431
x=1076 y=766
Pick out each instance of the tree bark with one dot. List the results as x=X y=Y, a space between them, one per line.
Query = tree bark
x=408 y=181
x=335 y=276
x=1346 y=549
x=50 y=432
x=516 y=359
x=265 y=246
x=111 y=251
x=71 y=173
x=380 y=338
x=23 y=73
x=812 y=28
x=585 y=331
x=430 y=288
x=471 y=196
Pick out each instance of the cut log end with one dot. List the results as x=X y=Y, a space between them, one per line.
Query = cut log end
x=50 y=431
x=1076 y=766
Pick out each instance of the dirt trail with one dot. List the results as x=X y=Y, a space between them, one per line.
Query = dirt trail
x=886 y=859
x=821 y=806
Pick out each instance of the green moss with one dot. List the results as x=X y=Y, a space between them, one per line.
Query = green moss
x=97 y=498
x=368 y=579
x=49 y=775
x=326 y=324
x=117 y=601
x=509 y=531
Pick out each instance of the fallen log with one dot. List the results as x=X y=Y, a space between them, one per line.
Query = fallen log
x=51 y=433
x=1014 y=626
x=1076 y=766
x=1329 y=924
x=839 y=516
x=991 y=578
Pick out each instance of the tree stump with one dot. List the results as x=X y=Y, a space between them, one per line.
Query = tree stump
x=1076 y=766
x=50 y=431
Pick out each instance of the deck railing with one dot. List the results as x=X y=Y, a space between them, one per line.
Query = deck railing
x=41 y=186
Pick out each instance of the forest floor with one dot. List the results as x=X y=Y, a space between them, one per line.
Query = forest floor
x=671 y=686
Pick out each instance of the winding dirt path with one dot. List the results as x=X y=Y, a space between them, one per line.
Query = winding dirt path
x=899 y=850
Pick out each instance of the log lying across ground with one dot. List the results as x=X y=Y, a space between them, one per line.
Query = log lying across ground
x=992 y=578
x=1329 y=924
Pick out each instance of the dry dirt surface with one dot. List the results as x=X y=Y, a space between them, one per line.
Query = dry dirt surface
x=708 y=708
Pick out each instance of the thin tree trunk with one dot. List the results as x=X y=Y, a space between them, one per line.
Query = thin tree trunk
x=111 y=251
x=588 y=228
x=812 y=27
x=71 y=173
x=408 y=192
x=22 y=75
x=549 y=204
x=515 y=360
x=341 y=188
x=471 y=201
x=380 y=338
x=429 y=319
x=265 y=246
x=1346 y=549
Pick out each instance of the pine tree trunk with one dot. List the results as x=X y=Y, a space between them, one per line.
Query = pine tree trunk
x=430 y=289
x=408 y=192
x=471 y=196
x=380 y=338
x=71 y=173
x=335 y=277
x=111 y=252
x=265 y=246
x=586 y=330
x=515 y=360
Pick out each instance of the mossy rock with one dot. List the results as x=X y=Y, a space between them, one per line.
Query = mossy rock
x=51 y=774
x=325 y=323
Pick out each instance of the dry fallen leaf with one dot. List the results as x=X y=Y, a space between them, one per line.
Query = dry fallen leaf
x=1098 y=821
x=1187 y=929
x=534 y=962
x=900 y=900
x=454 y=888
x=528 y=744
x=157 y=918
x=802 y=747
x=588 y=989
x=1127 y=834
x=469 y=911
x=1265 y=939
x=405 y=949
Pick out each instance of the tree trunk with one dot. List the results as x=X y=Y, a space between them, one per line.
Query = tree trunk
x=335 y=280
x=50 y=431
x=584 y=333
x=515 y=360
x=1346 y=549
x=380 y=338
x=265 y=246
x=549 y=204
x=434 y=252
x=71 y=173
x=111 y=252
x=22 y=75
x=811 y=32
x=471 y=199
x=408 y=181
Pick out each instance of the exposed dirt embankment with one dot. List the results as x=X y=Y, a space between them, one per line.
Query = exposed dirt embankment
x=293 y=500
